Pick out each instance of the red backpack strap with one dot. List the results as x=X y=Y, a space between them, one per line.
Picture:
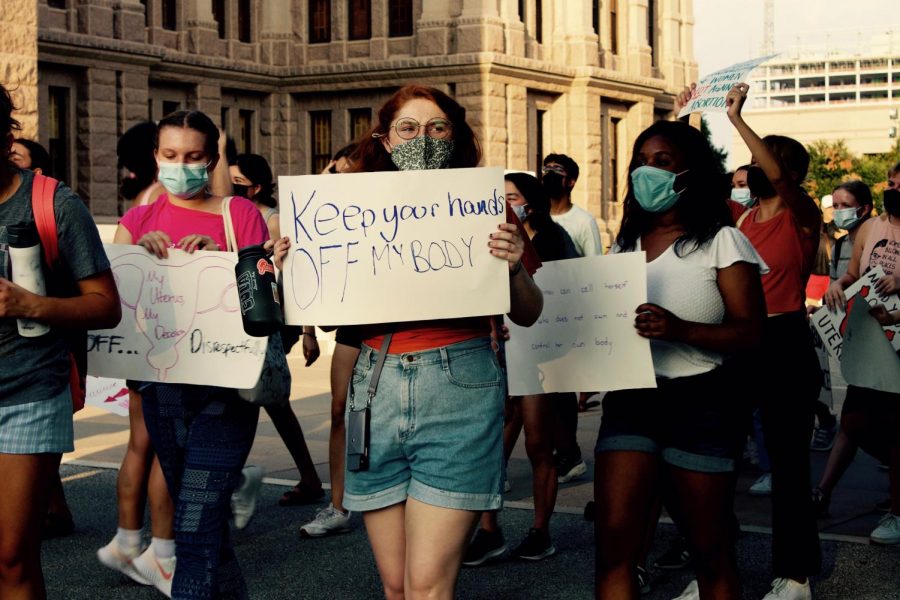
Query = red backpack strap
x=43 y=191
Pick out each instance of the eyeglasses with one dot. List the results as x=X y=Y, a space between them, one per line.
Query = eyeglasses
x=435 y=128
x=554 y=169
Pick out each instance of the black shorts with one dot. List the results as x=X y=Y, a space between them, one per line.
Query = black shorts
x=694 y=423
x=883 y=408
x=348 y=336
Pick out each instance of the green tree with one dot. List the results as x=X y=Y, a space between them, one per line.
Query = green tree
x=720 y=153
x=832 y=163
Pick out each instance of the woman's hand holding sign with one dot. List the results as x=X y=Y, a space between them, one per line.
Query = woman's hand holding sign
x=507 y=244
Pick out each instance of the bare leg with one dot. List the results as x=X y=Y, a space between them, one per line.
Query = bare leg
x=23 y=505
x=705 y=508
x=839 y=460
x=131 y=483
x=342 y=362
x=436 y=540
x=625 y=488
x=387 y=535
x=537 y=416
x=162 y=509
x=288 y=428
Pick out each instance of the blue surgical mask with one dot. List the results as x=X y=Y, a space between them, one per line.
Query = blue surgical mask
x=182 y=179
x=521 y=212
x=742 y=196
x=846 y=218
x=654 y=188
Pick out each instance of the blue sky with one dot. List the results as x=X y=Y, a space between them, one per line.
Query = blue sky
x=728 y=32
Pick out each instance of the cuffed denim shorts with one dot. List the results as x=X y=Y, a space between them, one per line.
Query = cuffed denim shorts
x=436 y=428
x=697 y=423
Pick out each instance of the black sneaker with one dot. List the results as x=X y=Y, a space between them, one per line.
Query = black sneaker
x=569 y=469
x=676 y=557
x=589 y=511
x=643 y=581
x=485 y=546
x=535 y=546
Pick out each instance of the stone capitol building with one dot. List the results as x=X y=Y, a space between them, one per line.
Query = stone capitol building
x=295 y=80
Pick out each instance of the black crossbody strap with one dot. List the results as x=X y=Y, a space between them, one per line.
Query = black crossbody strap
x=379 y=365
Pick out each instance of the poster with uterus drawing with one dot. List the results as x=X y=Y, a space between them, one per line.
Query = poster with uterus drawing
x=393 y=246
x=181 y=322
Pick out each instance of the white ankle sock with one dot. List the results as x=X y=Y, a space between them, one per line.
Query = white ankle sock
x=128 y=540
x=163 y=548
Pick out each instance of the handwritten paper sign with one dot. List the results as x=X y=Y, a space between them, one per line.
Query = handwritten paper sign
x=392 y=246
x=180 y=322
x=868 y=360
x=585 y=337
x=709 y=95
x=107 y=394
x=831 y=325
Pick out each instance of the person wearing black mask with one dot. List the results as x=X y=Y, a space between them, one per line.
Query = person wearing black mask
x=558 y=178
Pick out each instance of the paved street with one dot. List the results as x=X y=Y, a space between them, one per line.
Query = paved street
x=278 y=564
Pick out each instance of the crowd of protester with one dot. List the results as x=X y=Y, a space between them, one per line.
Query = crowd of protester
x=728 y=266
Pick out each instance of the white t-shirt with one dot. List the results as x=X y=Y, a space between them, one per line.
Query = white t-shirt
x=686 y=286
x=582 y=228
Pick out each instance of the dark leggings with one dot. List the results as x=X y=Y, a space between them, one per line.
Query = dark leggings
x=202 y=436
x=788 y=386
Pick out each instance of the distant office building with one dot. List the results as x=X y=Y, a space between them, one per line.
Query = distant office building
x=294 y=80
x=841 y=97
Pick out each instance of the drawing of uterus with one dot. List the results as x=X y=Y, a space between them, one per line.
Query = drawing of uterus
x=166 y=300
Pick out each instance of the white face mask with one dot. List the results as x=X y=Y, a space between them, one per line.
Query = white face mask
x=846 y=218
x=742 y=196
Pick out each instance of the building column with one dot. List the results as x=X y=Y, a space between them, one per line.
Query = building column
x=479 y=28
x=636 y=45
x=277 y=129
x=583 y=143
x=18 y=47
x=202 y=29
x=95 y=17
x=133 y=95
x=575 y=42
x=516 y=127
x=485 y=104
x=128 y=21
x=276 y=32
x=433 y=29
x=97 y=132
x=207 y=97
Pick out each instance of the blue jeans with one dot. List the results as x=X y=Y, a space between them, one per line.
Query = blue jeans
x=202 y=436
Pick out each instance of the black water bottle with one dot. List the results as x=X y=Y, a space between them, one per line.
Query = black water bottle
x=258 y=292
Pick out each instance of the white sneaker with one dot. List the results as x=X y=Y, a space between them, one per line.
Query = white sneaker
x=574 y=472
x=157 y=571
x=328 y=520
x=788 y=589
x=243 y=500
x=115 y=558
x=691 y=592
x=762 y=486
x=888 y=531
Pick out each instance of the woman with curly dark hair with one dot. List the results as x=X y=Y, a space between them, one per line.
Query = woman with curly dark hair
x=705 y=303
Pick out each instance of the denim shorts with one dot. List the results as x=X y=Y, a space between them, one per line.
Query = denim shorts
x=696 y=423
x=436 y=428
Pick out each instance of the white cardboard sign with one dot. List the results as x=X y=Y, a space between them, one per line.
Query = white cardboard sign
x=709 y=95
x=831 y=325
x=181 y=322
x=585 y=337
x=107 y=394
x=392 y=246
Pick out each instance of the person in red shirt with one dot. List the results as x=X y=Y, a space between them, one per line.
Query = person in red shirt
x=784 y=228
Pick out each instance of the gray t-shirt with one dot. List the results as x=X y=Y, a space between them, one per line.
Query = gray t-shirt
x=33 y=369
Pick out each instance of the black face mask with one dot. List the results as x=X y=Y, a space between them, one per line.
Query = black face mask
x=759 y=184
x=553 y=185
x=241 y=190
x=892 y=202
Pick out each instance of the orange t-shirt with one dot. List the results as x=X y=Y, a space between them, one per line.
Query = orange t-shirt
x=789 y=254
x=415 y=336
